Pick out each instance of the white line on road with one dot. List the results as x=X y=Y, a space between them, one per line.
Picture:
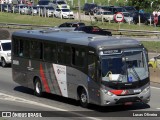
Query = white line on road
x=158 y=108
x=155 y=87
x=7 y=97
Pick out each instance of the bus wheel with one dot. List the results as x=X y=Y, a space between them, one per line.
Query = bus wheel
x=83 y=98
x=3 y=62
x=37 y=87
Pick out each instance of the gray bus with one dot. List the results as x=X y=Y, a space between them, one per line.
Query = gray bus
x=96 y=69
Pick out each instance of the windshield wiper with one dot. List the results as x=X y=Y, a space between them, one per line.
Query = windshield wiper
x=136 y=74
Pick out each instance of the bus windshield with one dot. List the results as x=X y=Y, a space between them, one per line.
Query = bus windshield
x=130 y=66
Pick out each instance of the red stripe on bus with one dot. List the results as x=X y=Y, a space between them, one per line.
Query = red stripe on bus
x=44 y=80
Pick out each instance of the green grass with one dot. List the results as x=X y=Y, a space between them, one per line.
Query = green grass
x=36 y=20
x=152 y=46
x=99 y=2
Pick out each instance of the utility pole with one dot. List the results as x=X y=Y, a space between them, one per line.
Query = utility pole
x=79 y=10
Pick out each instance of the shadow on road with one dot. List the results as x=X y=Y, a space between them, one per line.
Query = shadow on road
x=100 y=109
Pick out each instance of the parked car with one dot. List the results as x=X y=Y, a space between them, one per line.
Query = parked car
x=44 y=3
x=63 y=13
x=106 y=15
x=144 y=18
x=90 y=8
x=127 y=17
x=93 y=30
x=6 y=7
x=132 y=10
x=116 y=9
x=60 y=4
x=5 y=52
x=72 y=24
x=48 y=11
x=22 y=9
x=34 y=10
x=154 y=62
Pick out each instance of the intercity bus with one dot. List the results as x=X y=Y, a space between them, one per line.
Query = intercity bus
x=101 y=70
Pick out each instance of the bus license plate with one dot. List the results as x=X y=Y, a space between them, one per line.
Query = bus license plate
x=137 y=91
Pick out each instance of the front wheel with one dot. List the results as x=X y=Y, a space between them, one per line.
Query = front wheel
x=38 y=87
x=3 y=62
x=83 y=98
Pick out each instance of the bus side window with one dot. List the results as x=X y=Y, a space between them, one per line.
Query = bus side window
x=26 y=49
x=21 y=48
x=50 y=52
x=36 y=50
x=64 y=54
x=78 y=57
x=92 y=66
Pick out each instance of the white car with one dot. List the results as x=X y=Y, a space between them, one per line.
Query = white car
x=5 y=52
x=105 y=15
x=63 y=13
x=60 y=4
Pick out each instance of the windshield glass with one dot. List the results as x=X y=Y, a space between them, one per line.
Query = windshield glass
x=6 y=46
x=130 y=66
x=66 y=10
x=61 y=2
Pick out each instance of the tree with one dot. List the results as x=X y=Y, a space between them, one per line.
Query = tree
x=144 y=4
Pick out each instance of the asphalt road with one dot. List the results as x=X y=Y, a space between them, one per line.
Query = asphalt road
x=14 y=97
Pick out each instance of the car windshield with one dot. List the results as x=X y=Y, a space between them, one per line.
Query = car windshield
x=130 y=8
x=129 y=66
x=126 y=14
x=50 y=8
x=107 y=13
x=148 y=15
x=6 y=46
x=121 y=10
x=61 y=2
x=66 y=10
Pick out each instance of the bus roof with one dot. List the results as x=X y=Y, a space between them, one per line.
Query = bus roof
x=79 y=38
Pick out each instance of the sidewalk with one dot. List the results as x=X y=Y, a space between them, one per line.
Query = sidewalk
x=155 y=75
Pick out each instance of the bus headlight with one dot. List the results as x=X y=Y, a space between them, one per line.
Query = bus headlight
x=107 y=92
x=146 y=89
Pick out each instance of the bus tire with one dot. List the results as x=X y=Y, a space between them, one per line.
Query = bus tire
x=83 y=97
x=37 y=87
x=4 y=64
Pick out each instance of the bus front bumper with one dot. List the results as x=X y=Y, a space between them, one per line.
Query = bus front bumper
x=111 y=99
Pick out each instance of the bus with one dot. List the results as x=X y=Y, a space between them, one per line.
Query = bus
x=101 y=70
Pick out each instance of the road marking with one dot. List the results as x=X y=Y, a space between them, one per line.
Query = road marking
x=155 y=88
x=158 y=108
x=7 y=97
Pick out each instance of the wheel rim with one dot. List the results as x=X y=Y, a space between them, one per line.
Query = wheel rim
x=83 y=98
x=38 y=87
x=3 y=63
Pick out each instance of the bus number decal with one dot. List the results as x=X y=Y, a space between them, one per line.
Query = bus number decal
x=60 y=72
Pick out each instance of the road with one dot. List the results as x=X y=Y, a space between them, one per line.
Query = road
x=14 y=97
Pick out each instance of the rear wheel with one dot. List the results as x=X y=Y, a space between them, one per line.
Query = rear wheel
x=37 y=87
x=83 y=98
x=4 y=64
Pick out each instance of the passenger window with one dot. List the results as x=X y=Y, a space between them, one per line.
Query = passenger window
x=64 y=54
x=50 y=52
x=26 y=47
x=78 y=57
x=36 y=50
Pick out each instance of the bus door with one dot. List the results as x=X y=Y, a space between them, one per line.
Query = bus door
x=93 y=81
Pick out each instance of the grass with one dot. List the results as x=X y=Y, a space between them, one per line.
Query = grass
x=152 y=46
